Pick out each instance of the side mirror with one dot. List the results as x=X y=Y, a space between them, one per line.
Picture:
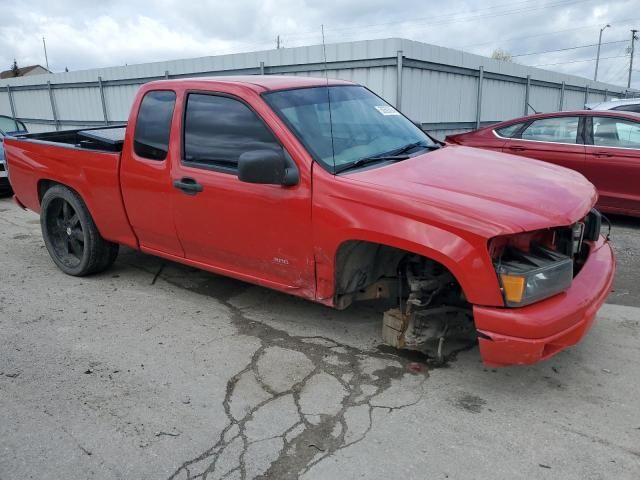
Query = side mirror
x=267 y=167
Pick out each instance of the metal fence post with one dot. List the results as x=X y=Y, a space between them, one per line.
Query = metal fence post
x=479 y=96
x=526 y=95
x=11 y=104
x=54 y=111
x=562 y=97
x=399 y=81
x=166 y=74
x=104 y=103
x=586 y=94
x=261 y=68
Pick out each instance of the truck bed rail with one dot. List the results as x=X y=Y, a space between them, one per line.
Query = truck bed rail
x=108 y=139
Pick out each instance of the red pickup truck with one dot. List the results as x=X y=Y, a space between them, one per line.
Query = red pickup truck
x=323 y=190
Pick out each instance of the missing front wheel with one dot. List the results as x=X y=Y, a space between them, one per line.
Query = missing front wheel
x=433 y=316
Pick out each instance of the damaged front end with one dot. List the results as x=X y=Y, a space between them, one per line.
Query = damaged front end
x=534 y=266
x=433 y=316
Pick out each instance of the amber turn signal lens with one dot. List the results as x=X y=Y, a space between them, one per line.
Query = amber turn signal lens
x=513 y=287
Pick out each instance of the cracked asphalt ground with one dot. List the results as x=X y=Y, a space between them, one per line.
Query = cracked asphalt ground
x=153 y=370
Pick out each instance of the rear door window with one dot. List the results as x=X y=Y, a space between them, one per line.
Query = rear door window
x=616 y=132
x=509 y=131
x=555 y=129
x=153 y=126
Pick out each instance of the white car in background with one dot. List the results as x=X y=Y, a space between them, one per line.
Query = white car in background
x=8 y=126
x=622 y=104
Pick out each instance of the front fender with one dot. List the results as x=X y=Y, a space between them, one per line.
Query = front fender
x=468 y=264
x=338 y=218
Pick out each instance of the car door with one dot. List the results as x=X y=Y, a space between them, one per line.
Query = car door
x=258 y=232
x=557 y=140
x=613 y=162
x=144 y=174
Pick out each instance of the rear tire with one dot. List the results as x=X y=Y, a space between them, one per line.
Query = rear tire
x=5 y=190
x=71 y=235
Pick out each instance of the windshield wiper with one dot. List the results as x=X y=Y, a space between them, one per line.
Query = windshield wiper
x=411 y=146
x=361 y=162
x=406 y=148
x=397 y=154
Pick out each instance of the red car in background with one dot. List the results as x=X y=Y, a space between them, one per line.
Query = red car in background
x=602 y=145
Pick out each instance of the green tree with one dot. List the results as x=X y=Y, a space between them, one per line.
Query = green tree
x=15 y=70
x=502 y=55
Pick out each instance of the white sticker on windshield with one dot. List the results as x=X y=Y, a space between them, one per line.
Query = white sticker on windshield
x=386 y=110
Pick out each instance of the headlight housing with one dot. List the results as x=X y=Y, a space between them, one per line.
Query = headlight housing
x=532 y=266
x=528 y=277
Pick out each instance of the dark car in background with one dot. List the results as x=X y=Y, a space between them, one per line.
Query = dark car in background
x=8 y=126
x=603 y=145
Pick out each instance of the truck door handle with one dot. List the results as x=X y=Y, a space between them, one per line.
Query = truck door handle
x=517 y=148
x=603 y=154
x=188 y=185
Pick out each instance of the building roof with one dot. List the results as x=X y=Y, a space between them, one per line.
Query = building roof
x=23 y=71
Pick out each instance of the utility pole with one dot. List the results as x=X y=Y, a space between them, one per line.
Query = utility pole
x=278 y=42
x=633 y=40
x=595 y=76
x=44 y=44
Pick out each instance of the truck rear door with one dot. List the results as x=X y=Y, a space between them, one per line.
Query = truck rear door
x=255 y=231
x=145 y=171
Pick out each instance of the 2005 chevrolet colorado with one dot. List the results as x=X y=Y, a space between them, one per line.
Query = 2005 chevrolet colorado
x=323 y=190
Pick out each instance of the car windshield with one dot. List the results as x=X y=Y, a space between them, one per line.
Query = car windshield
x=9 y=125
x=359 y=125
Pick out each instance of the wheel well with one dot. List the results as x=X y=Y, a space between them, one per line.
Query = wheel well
x=366 y=270
x=43 y=186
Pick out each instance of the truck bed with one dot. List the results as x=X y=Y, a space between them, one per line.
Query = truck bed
x=108 y=139
x=87 y=161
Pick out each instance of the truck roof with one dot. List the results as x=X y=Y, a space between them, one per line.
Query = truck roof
x=259 y=83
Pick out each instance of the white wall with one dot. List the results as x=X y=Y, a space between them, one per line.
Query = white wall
x=444 y=90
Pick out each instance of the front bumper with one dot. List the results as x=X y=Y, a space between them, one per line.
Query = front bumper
x=520 y=336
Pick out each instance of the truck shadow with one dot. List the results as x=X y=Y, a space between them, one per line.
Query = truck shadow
x=359 y=325
x=624 y=221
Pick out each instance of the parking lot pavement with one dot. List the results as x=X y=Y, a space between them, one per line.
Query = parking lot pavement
x=153 y=371
x=625 y=235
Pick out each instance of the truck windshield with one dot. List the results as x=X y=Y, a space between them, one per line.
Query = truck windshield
x=359 y=127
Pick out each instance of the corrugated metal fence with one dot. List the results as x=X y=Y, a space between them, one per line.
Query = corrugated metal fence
x=446 y=90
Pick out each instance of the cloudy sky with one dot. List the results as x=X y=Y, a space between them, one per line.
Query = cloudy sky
x=83 y=34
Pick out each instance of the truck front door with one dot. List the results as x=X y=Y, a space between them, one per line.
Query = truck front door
x=252 y=231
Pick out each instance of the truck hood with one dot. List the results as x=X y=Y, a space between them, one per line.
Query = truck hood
x=486 y=191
